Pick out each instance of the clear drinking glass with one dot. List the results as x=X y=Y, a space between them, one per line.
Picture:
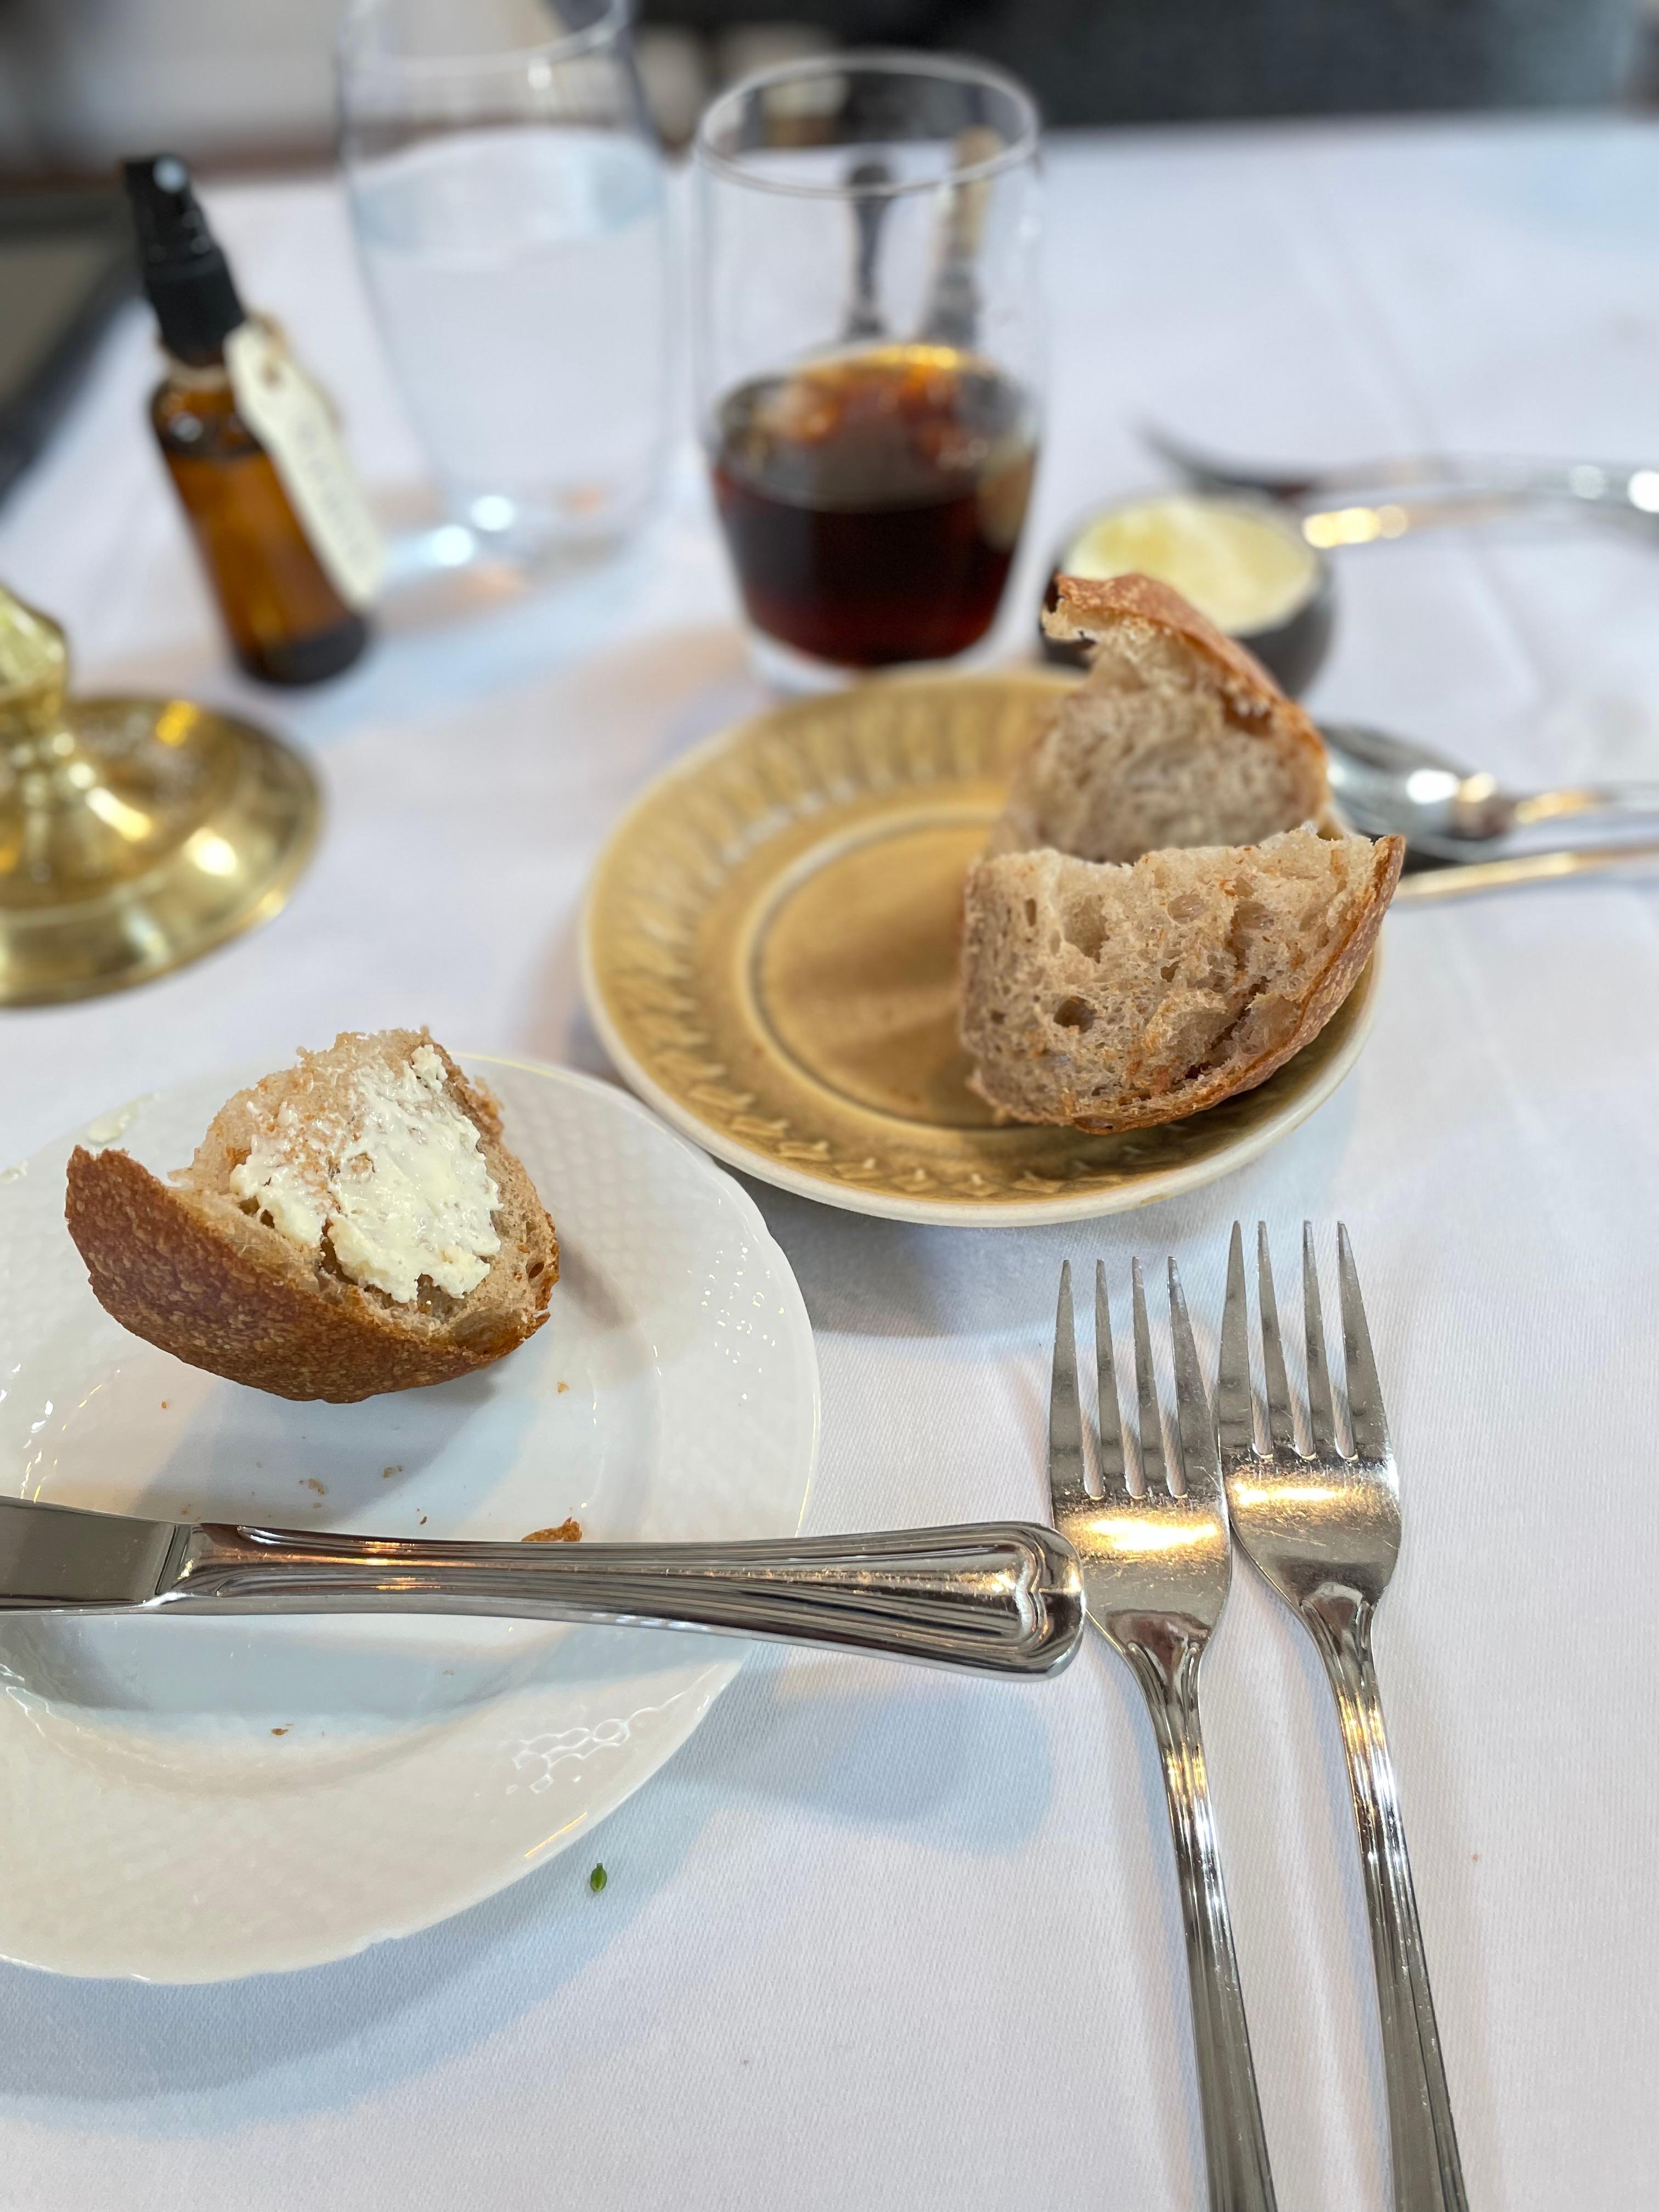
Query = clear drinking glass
x=869 y=347
x=507 y=195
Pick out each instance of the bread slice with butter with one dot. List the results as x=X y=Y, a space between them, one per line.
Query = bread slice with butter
x=352 y=1224
x=1113 y=996
x=1176 y=736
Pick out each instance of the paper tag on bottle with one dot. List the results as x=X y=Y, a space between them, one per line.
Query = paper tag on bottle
x=295 y=423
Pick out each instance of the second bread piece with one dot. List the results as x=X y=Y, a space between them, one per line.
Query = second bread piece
x=1176 y=737
x=1113 y=997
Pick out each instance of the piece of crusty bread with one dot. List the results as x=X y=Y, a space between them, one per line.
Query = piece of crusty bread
x=1176 y=737
x=1111 y=997
x=207 y=1278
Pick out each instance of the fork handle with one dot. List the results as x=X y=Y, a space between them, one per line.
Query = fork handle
x=1428 y=2174
x=1235 y=2146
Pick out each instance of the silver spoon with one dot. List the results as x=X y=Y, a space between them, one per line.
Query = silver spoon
x=1384 y=784
x=870 y=183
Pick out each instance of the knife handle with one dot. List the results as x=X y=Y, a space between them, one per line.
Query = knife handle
x=995 y=1598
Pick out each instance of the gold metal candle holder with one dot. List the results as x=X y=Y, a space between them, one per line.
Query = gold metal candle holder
x=135 y=834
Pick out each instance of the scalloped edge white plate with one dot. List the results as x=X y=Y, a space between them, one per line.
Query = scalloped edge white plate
x=194 y=1801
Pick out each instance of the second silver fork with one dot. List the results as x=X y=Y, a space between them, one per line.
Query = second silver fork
x=1323 y=1527
x=1156 y=1567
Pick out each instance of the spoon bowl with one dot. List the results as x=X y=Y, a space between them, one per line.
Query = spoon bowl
x=1386 y=784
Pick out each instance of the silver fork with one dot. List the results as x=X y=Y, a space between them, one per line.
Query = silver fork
x=1155 y=1574
x=1619 y=487
x=1323 y=1527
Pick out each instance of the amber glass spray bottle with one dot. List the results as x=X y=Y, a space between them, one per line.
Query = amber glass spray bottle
x=289 y=620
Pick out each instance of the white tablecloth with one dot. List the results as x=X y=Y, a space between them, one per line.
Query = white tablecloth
x=877 y=1938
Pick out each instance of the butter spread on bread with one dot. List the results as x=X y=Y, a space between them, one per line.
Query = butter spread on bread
x=399 y=1186
x=352 y=1224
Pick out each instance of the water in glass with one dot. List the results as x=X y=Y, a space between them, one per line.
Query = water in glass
x=509 y=208
x=518 y=276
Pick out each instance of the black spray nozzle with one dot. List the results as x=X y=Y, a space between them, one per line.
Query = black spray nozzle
x=166 y=214
x=185 y=273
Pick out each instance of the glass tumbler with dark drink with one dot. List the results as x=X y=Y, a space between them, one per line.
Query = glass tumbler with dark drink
x=868 y=353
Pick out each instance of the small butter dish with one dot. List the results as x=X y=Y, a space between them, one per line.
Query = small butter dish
x=1243 y=561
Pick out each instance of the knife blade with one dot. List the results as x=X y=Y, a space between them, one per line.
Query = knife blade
x=58 y=1556
x=1437 y=880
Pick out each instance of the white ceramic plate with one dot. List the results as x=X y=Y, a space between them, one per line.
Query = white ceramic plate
x=187 y=1800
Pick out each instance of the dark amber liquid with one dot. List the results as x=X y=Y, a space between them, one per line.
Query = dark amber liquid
x=873 y=503
x=287 y=625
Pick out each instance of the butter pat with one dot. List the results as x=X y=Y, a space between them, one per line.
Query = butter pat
x=1245 y=567
x=404 y=1192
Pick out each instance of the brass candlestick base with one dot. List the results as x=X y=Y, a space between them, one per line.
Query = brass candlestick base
x=135 y=834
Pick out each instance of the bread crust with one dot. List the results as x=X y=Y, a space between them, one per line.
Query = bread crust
x=1326 y=993
x=191 y=1272
x=1088 y=609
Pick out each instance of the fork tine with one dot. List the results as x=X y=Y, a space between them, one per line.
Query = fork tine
x=1281 y=1425
x=1321 y=1416
x=1200 y=1469
x=1113 y=1481
x=1366 y=1418
x=1066 y=1482
x=1235 y=1414
x=1153 y=1471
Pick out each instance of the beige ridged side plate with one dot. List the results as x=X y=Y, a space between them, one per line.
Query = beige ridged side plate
x=769 y=954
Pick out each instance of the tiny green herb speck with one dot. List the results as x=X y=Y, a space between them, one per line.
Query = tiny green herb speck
x=597 y=1880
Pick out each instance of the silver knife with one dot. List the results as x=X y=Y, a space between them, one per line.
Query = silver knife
x=1447 y=879
x=993 y=1597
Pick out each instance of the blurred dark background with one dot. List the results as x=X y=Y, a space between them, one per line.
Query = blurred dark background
x=247 y=83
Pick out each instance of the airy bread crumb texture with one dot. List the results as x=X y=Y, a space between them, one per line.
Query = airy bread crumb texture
x=1111 y=996
x=206 y=1273
x=1176 y=737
